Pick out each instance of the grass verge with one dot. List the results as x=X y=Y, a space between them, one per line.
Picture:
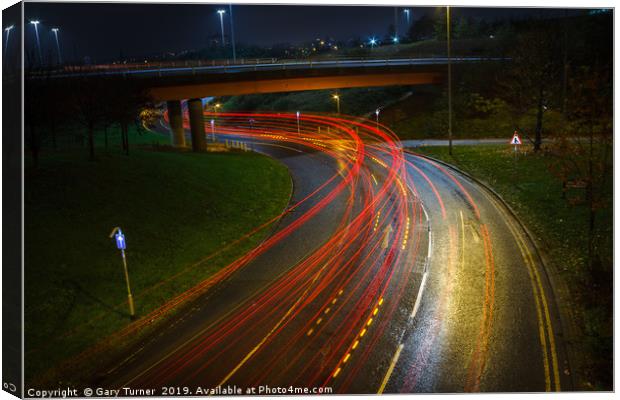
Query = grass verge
x=175 y=208
x=562 y=231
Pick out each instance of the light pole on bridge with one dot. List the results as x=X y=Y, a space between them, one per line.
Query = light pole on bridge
x=55 y=30
x=36 y=23
x=221 y=13
x=6 y=43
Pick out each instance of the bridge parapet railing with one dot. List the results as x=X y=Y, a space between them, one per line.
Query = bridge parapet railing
x=176 y=67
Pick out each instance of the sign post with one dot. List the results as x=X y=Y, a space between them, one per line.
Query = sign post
x=515 y=141
x=121 y=244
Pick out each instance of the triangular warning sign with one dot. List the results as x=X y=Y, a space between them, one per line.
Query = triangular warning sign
x=515 y=139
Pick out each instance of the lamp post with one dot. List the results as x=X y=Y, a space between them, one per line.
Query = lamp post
x=407 y=15
x=55 y=30
x=36 y=23
x=377 y=116
x=337 y=98
x=298 y=129
x=232 y=34
x=6 y=43
x=213 y=129
x=449 y=81
x=119 y=237
x=222 y=12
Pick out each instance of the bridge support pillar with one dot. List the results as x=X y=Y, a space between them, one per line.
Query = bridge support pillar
x=197 y=125
x=175 y=116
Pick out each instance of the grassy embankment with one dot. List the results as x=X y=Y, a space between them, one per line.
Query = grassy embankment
x=355 y=101
x=175 y=209
x=562 y=231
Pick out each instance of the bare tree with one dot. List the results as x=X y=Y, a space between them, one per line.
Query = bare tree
x=128 y=99
x=531 y=80
x=88 y=101
x=582 y=154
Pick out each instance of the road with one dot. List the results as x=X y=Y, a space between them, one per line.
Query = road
x=388 y=273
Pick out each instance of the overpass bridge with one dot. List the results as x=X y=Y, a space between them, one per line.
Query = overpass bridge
x=193 y=80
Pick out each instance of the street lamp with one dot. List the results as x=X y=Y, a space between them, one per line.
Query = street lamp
x=213 y=129
x=55 y=30
x=298 y=130
x=407 y=15
x=36 y=32
x=222 y=12
x=395 y=40
x=449 y=81
x=6 y=44
x=377 y=116
x=337 y=98
x=372 y=42
x=232 y=34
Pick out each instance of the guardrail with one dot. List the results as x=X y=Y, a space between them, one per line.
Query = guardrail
x=200 y=67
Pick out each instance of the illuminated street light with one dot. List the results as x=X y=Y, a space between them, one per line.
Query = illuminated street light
x=372 y=42
x=6 y=44
x=377 y=115
x=222 y=12
x=213 y=129
x=407 y=14
x=337 y=98
x=395 y=40
x=36 y=23
x=55 y=30
x=298 y=130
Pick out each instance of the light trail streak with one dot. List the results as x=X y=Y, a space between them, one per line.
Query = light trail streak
x=344 y=280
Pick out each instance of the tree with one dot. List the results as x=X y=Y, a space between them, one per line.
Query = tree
x=531 y=83
x=465 y=27
x=89 y=102
x=33 y=103
x=391 y=32
x=128 y=99
x=422 y=29
x=582 y=154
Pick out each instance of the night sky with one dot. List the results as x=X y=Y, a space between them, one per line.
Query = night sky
x=103 y=31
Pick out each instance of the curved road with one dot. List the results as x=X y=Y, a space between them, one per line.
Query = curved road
x=388 y=273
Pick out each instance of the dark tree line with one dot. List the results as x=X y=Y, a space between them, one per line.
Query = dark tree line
x=88 y=104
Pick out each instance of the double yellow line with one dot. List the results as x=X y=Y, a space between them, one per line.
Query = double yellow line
x=545 y=328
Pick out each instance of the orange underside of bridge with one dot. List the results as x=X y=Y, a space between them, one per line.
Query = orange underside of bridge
x=233 y=88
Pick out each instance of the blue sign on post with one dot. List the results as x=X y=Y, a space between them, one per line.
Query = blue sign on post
x=120 y=240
